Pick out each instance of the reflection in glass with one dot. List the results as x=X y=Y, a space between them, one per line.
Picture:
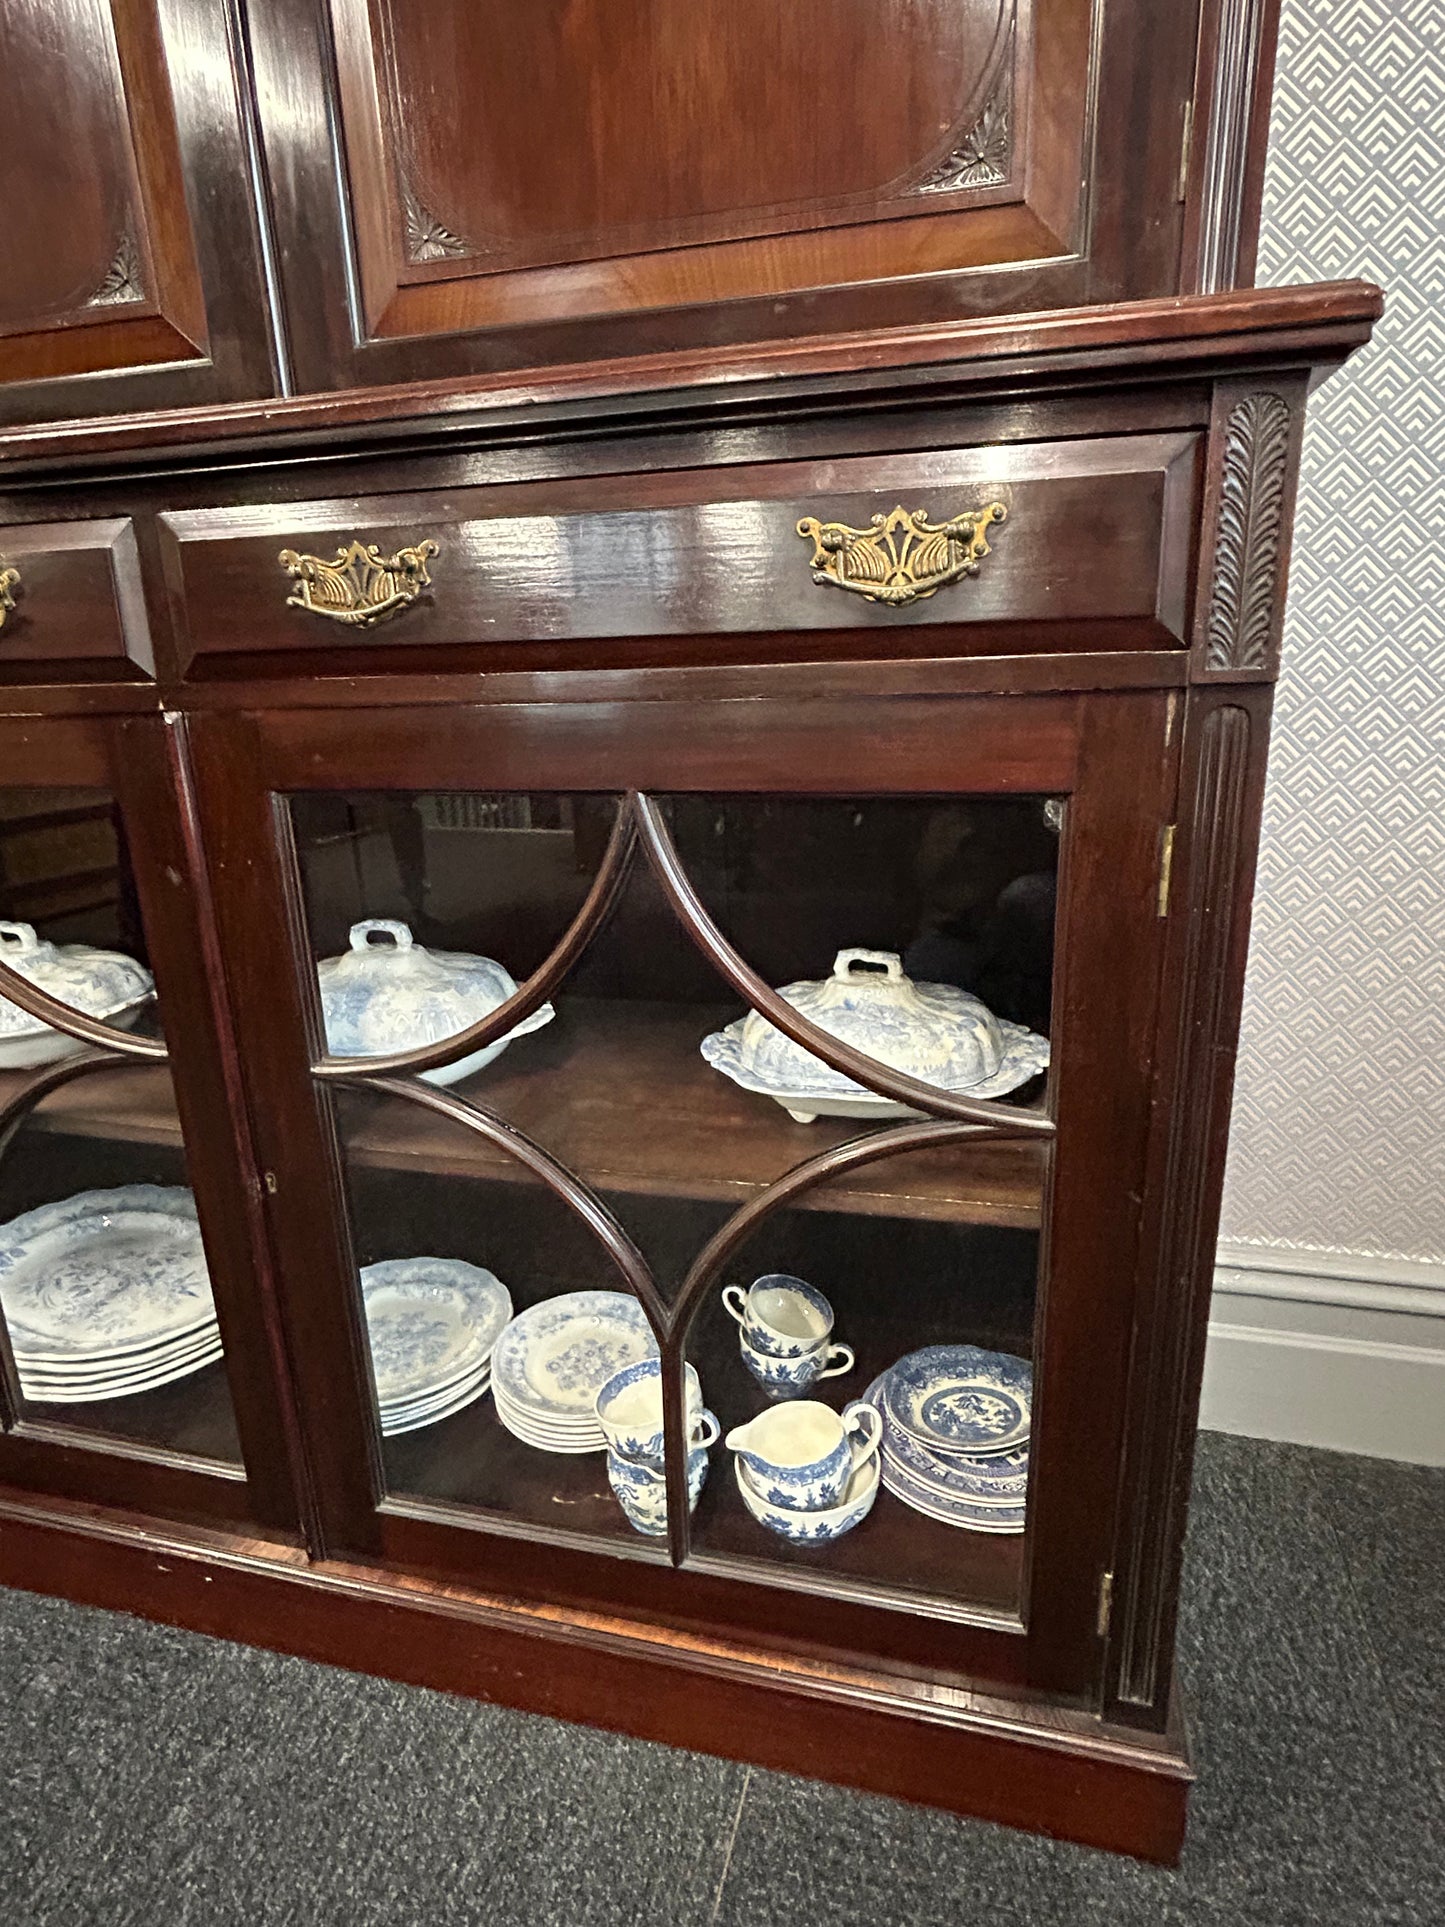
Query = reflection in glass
x=918 y=930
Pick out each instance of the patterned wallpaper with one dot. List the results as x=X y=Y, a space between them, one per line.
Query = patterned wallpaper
x=1339 y=1123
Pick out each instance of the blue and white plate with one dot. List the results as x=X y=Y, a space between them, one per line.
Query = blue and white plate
x=1001 y=1481
x=103 y=1274
x=952 y=1512
x=959 y=1399
x=554 y=1358
x=432 y=1323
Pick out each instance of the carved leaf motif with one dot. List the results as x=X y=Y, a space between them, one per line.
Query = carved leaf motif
x=426 y=238
x=1249 y=539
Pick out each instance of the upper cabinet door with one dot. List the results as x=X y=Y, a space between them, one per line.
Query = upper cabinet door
x=466 y=184
x=133 y=250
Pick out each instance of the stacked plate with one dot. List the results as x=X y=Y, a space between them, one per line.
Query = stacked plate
x=554 y=1358
x=432 y=1323
x=106 y=1294
x=956 y=1435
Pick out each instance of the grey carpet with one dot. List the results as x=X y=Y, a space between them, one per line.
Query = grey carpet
x=155 y=1777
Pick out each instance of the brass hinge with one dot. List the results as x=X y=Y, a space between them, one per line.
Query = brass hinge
x=1166 y=866
x=1181 y=188
x=1106 y=1603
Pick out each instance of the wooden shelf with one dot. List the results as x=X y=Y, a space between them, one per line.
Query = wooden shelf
x=620 y=1094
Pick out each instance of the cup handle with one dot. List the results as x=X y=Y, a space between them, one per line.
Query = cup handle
x=865 y=1423
x=844 y=1353
x=708 y=1431
x=738 y=1310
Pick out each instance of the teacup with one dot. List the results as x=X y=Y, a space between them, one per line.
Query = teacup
x=802 y=1455
x=787 y=1377
x=641 y=1490
x=629 y=1410
x=782 y=1316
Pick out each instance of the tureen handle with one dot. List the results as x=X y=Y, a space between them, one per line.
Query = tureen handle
x=889 y=959
x=363 y=934
x=19 y=936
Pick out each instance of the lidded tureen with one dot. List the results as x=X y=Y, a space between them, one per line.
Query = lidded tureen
x=933 y=1032
x=389 y=993
x=98 y=983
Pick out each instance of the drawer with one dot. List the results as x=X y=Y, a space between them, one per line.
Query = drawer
x=1092 y=551
x=72 y=607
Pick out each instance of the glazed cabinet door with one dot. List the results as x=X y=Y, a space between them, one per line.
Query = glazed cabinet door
x=481 y=187
x=703 y=1146
x=133 y=252
x=135 y=1367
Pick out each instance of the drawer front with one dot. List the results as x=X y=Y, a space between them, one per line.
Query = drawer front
x=71 y=605
x=1089 y=547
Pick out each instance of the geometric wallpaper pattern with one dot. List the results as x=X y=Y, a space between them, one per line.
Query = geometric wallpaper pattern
x=1339 y=1117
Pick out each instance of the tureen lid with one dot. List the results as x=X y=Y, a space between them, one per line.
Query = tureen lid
x=931 y=1031
x=96 y=982
x=389 y=993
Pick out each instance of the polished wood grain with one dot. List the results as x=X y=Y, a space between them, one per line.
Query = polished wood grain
x=79 y=605
x=938 y=363
x=113 y=273
x=718 y=554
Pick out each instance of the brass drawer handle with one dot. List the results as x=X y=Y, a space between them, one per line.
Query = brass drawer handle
x=361 y=585
x=902 y=557
x=9 y=581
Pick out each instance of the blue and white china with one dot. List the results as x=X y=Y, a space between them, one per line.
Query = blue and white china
x=978 y=1494
x=98 y=983
x=432 y=1324
x=999 y=1480
x=952 y=1512
x=553 y=1359
x=629 y=1410
x=389 y=993
x=106 y=1294
x=641 y=1490
x=780 y=1314
x=803 y=1454
x=932 y=1032
x=960 y=1399
x=813 y=1528
x=790 y=1377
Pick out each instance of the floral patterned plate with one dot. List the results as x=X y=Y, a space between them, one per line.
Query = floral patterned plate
x=104 y=1273
x=554 y=1358
x=432 y=1323
x=959 y=1399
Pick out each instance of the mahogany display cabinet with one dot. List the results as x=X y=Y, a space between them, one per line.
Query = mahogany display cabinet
x=663 y=686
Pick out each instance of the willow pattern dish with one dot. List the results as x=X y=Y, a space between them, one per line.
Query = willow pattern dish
x=933 y=1032
x=436 y=1410
x=813 y=1528
x=389 y=993
x=953 y=1512
x=999 y=1481
x=554 y=1358
x=641 y=1490
x=960 y=1399
x=98 y=983
x=97 y=1274
x=430 y=1321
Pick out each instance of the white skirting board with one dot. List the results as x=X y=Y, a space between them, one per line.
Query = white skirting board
x=1329 y=1349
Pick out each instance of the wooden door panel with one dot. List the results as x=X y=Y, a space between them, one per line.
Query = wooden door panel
x=107 y=272
x=459 y=184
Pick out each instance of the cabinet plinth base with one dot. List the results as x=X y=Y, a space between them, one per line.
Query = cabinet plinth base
x=1023 y=1764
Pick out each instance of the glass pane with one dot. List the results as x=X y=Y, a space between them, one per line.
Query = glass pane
x=104 y=1284
x=918 y=930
